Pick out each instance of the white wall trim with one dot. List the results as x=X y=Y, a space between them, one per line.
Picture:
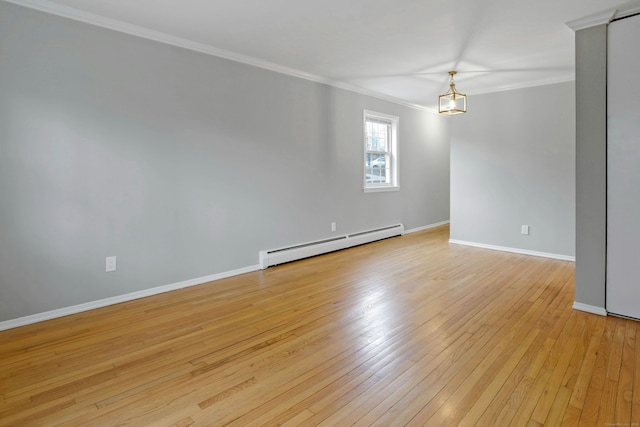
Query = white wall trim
x=538 y=83
x=53 y=8
x=589 y=308
x=599 y=18
x=426 y=227
x=48 y=315
x=514 y=250
x=604 y=17
x=626 y=10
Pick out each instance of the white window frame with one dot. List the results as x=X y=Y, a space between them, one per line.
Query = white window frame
x=392 y=183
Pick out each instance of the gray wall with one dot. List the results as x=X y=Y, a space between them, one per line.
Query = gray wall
x=591 y=165
x=512 y=163
x=181 y=164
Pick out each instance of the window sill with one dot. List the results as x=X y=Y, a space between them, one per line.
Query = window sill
x=381 y=189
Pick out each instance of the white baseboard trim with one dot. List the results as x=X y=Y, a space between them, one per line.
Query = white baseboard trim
x=514 y=250
x=426 y=227
x=589 y=308
x=48 y=315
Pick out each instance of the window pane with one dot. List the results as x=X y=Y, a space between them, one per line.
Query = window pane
x=376 y=168
x=377 y=136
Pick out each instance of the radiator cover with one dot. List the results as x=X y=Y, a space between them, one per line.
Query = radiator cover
x=306 y=250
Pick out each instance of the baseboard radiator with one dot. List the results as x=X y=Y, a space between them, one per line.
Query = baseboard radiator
x=306 y=250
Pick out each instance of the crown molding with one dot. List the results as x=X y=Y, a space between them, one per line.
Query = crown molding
x=543 y=82
x=599 y=18
x=606 y=16
x=53 y=8
x=627 y=10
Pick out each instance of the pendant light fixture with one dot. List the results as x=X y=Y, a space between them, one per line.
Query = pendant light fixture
x=452 y=102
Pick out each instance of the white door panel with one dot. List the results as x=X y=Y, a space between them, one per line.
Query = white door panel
x=623 y=168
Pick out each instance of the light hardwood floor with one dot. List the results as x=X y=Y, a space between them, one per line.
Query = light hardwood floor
x=406 y=331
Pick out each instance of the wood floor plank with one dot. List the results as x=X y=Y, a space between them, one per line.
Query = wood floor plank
x=500 y=405
x=427 y=334
x=447 y=375
x=607 y=414
x=437 y=411
x=483 y=402
x=635 y=400
x=593 y=401
x=572 y=333
x=373 y=405
x=558 y=407
x=528 y=404
x=624 y=395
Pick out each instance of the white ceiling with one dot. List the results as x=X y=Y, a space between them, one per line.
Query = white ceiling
x=399 y=49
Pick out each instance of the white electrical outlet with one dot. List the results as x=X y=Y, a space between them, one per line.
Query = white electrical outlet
x=524 y=229
x=333 y=226
x=111 y=264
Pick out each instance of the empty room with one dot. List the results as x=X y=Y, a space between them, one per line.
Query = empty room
x=278 y=212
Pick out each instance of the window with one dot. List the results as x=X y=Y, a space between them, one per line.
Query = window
x=380 y=152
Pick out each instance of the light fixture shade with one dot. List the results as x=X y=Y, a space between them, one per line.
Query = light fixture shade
x=452 y=102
